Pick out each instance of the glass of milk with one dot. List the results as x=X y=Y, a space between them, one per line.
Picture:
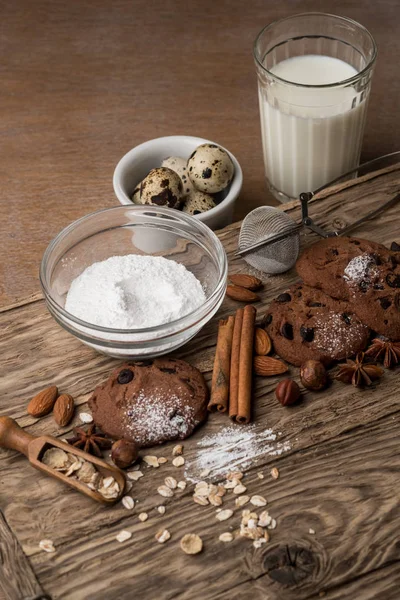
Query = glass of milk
x=314 y=78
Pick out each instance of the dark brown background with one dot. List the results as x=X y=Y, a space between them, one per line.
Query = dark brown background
x=82 y=82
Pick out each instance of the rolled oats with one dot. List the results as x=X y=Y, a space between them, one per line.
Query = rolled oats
x=134 y=475
x=171 y=482
x=86 y=418
x=177 y=450
x=258 y=500
x=238 y=475
x=162 y=460
x=181 y=485
x=55 y=458
x=239 y=489
x=165 y=491
x=264 y=519
x=274 y=473
x=242 y=500
x=178 y=461
x=191 y=543
x=143 y=517
x=202 y=500
x=215 y=500
x=226 y=537
x=162 y=536
x=123 y=536
x=47 y=545
x=86 y=471
x=108 y=482
x=223 y=515
x=128 y=502
x=161 y=509
x=230 y=485
x=152 y=461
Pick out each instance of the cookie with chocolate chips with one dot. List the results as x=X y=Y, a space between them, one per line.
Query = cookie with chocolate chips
x=306 y=324
x=151 y=401
x=363 y=273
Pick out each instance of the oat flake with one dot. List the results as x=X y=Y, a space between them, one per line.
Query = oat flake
x=47 y=546
x=86 y=417
x=123 y=536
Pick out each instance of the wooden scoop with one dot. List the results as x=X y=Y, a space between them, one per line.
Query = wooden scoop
x=13 y=437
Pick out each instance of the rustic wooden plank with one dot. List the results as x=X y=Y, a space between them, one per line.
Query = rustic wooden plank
x=343 y=489
x=339 y=477
x=382 y=583
x=17 y=579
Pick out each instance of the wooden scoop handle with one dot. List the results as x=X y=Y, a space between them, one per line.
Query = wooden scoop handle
x=13 y=437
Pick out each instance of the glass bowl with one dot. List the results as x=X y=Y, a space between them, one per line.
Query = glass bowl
x=134 y=230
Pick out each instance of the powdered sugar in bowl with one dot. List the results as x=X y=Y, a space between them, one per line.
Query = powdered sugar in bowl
x=134 y=244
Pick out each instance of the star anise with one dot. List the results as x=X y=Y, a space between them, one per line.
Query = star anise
x=89 y=440
x=385 y=351
x=358 y=371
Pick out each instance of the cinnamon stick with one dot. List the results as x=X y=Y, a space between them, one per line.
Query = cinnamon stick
x=234 y=379
x=246 y=365
x=222 y=364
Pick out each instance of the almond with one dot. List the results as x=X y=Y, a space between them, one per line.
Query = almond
x=241 y=294
x=63 y=409
x=247 y=281
x=262 y=342
x=267 y=366
x=43 y=402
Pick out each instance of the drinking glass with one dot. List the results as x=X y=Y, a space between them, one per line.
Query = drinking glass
x=314 y=79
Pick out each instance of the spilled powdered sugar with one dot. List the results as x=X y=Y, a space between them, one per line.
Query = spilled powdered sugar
x=233 y=448
x=152 y=418
x=360 y=268
x=335 y=333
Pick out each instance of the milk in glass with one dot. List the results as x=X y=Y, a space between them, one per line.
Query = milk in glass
x=310 y=134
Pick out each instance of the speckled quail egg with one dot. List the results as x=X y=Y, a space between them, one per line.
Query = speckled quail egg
x=136 y=197
x=198 y=202
x=179 y=165
x=210 y=168
x=161 y=187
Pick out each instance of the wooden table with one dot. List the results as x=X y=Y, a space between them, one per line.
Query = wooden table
x=336 y=500
x=84 y=81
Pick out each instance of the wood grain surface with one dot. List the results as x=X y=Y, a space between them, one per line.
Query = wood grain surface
x=339 y=478
x=84 y=81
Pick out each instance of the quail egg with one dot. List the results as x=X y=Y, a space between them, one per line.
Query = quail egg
x=161 y=187
x=178 y=164
x=210 y=168
x=136 y=197
x=198 y=202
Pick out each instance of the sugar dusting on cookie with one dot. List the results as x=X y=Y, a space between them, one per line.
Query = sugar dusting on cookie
x=360 y=268
x=233 y=448
x=153 y=418
x=336 y=333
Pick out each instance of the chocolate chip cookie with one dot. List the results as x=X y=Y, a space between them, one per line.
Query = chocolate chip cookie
x=304 y=323
x=151 y=401
x=363 y=273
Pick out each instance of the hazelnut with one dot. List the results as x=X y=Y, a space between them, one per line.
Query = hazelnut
x=124 y=453
x=313 y=375
x=287 y=392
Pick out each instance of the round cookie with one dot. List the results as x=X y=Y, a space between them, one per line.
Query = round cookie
x=364 y=273
x=306 y=324
x=151 y=401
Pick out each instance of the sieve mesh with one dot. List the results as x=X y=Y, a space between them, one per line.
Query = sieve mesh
x=262 y=223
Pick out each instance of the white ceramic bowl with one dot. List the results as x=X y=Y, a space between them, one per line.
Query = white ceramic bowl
x=135 y=165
